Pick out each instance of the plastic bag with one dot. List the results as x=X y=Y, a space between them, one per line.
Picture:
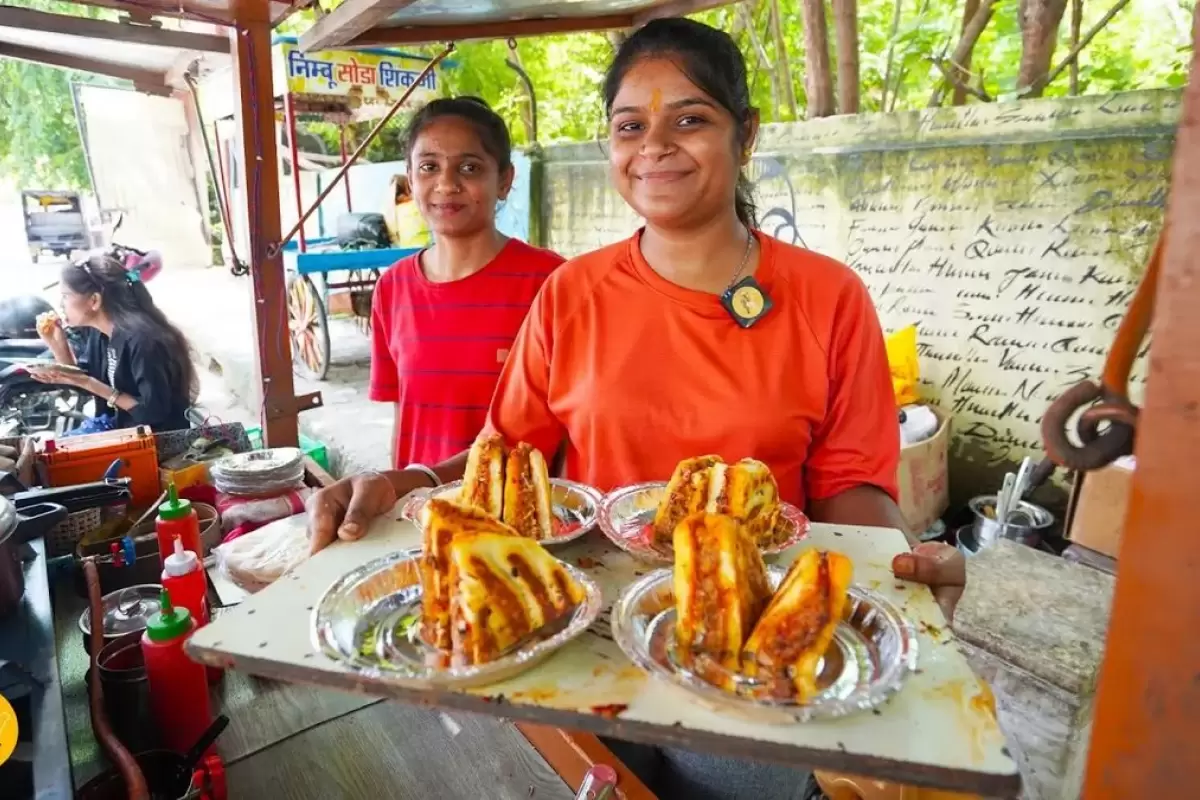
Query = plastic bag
x=904 y=364
x=258 y=559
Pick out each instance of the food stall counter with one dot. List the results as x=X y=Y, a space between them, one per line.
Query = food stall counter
x=937 y=731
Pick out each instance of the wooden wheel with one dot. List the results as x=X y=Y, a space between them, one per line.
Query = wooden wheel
x=308 y=327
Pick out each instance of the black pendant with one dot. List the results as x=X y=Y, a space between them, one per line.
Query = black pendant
x=747 y=301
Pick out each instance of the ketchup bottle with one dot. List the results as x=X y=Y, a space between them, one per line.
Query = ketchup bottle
x=178 y=685
x=177 y=518
x=187 y=587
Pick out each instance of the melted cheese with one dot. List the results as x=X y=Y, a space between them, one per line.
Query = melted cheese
x=685 y=494
x=504 y=587
x=796 y=629
x=746 y=491
x=442 y=522
x=483 y=478
x=527 y=498
x=720 y=586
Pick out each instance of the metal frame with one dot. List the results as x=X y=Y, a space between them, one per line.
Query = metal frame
x=1145 y=735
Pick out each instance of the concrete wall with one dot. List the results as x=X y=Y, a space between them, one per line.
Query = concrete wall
x=1012 y=234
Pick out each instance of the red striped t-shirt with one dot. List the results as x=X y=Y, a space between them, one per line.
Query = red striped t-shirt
x=437 y=348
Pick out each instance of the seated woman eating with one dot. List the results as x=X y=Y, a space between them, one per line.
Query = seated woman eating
x=443 y=320
x=132 y=357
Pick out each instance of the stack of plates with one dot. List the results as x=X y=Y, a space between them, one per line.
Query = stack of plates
x=260 y=472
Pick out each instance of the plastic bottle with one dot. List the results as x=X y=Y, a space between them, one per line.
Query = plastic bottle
x=185 y=582
x=177 y=518
x=178 y=685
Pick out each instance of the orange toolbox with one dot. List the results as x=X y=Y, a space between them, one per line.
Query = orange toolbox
x=84 y=459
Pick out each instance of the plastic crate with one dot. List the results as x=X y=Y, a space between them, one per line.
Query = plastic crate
x=311 y=448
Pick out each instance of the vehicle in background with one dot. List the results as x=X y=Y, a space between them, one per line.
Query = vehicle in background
x=54 y=223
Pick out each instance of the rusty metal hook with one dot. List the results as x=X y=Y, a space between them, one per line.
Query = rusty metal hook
x=1108 y=401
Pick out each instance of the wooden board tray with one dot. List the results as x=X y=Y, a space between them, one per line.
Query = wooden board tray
x=937 y=732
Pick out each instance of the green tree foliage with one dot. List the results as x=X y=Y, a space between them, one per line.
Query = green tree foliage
x=39 y=135
x=1148 y=44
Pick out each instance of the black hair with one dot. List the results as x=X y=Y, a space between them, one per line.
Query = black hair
x=711 y=60
x=489 y=126
x=127 y=302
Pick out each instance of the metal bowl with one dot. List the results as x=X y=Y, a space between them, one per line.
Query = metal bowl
x=1026 y=522
x=576 y=508
x=357 y=622
x=626 y=517
x=873 y=651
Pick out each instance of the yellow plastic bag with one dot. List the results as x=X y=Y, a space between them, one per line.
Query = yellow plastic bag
x=904 y=364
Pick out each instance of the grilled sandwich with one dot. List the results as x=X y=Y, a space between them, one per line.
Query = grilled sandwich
x=721 y=589
x=503 y=589
x=746 y=491
x=791 y=637
x=686 y=493
x=527 y=499
x=442 y=522
x=483 y=479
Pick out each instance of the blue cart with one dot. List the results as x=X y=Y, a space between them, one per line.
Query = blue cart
x=308 y=319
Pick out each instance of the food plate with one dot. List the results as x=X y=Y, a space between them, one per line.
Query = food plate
x=626 y=517
x=576 y=508
x=359 y=622
x=874 y=650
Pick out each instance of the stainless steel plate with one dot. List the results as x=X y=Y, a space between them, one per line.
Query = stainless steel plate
x=873 y=652
x=626 y=516
x=360 y=620
x=576 y=507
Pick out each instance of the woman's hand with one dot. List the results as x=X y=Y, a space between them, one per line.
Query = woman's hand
x=64 y=378
x=50 y=330
x=343 y=510
x=939 y=566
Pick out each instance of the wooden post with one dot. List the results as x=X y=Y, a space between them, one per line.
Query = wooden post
x=345 y=158
x=251 y=48
x=1145 y=736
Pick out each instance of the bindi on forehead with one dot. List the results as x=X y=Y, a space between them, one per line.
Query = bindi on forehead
x=655 y=100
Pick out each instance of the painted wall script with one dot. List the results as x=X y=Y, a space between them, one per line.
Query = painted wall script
x=342 y=73
x=1013 y=235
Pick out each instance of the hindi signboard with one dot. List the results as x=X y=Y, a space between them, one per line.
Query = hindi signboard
x=367 y=75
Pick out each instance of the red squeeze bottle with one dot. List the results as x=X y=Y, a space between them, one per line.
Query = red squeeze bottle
x=187 y=586
x=176 y=518
x=178 y=685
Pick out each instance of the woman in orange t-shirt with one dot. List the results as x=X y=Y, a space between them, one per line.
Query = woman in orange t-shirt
x=697 y=335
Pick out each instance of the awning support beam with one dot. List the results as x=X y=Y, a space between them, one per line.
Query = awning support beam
x=145 y=80
x=28 y=18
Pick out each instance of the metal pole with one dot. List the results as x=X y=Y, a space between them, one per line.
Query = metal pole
x=289 y=111
x=349 y=205
x=275 y=249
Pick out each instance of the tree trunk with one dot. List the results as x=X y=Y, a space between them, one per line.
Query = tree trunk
x=817 y=79
x=782 y=63
x=897 y=10
x=966 y=44
x=1039 y=32
x=960 y=92
x=1076 y=25
x=845 y=25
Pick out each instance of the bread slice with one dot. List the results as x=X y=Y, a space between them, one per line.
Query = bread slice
x=504 y=588
x=747 y=491
x=443 y=521
x=796 y=629
x=527 y=498
x=483 y=478
x=721 y=588
x=686 y=493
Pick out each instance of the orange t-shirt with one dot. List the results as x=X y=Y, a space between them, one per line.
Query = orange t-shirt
x=637 y=373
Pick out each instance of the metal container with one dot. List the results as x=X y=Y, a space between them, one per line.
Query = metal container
x=362 y=619
x=575 y=506
x=627 y=514
x=1027 y=522
x=125 y=611
x=127 y=692
x=873 y=652
x=16 y=528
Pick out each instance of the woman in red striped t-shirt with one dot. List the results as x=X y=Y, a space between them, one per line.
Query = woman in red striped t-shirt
x=443 y=319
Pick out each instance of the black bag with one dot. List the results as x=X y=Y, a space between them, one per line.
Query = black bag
x=362 y=231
